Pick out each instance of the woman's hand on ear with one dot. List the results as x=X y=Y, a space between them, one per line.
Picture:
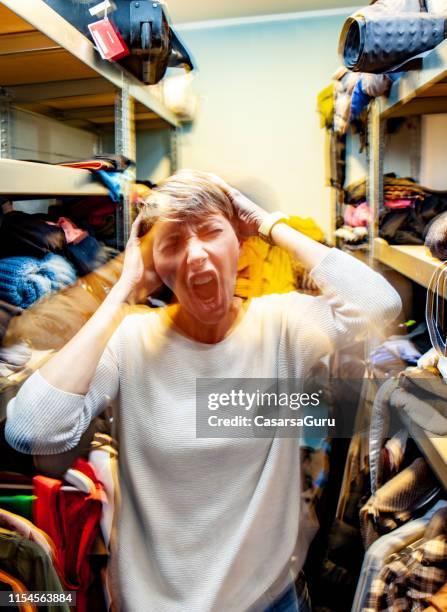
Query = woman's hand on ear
x=138 y=277
x=250 y=215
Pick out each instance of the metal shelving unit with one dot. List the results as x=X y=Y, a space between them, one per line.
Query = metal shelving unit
x=418 y=92
x=48 y=67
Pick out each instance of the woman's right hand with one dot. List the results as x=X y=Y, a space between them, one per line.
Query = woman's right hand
x=138 y=278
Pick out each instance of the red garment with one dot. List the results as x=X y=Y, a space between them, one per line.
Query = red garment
x=71 y=519
x=90 y=164
x=93 y=210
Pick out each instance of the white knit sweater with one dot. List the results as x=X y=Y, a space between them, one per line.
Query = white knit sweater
x=206 y=525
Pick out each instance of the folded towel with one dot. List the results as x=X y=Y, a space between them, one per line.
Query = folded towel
x=24 y=280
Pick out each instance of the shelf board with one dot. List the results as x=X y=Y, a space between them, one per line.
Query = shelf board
x=19 y=178
x=415 y=92
x=55 y=53
x=433 y=448
x=412 y=261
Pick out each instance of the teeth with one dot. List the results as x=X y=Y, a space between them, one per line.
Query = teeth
x=204 y=279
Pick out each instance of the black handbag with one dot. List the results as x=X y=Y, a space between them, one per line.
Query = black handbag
x=145 y=28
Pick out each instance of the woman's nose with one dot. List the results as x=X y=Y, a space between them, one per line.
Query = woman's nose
x=195 y=253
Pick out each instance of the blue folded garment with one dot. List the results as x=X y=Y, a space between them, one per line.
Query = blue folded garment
x=24 y=280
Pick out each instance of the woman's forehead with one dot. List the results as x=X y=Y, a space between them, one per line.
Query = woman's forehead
x=164 y=227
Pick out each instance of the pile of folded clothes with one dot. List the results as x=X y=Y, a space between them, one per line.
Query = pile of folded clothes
x=411 y=213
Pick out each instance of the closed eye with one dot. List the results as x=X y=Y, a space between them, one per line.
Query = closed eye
x=211 y=231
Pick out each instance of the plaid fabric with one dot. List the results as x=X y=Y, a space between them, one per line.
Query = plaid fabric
x=410 y=579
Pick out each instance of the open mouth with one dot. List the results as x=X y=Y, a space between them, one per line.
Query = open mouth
x=205 y=288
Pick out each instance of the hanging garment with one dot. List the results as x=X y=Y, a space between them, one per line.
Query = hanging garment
x=421 y=395
x=71 y=518
x=27 y=530
x=407 y=583
x=403 y=497
x=26 y=561
x=24 y=280
x=381 y=549
x=382 y=36
x=345 y=81
x=16 y=587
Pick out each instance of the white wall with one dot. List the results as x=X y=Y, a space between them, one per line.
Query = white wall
x=258 y=125
x=434 y=151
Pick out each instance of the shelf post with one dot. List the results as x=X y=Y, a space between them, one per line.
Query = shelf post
x=125 y=144
x=375 y=157
x=5 y=127
x=376 y=153
x=173 y=150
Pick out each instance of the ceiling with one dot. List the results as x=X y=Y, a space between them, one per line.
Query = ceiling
x=202 y=10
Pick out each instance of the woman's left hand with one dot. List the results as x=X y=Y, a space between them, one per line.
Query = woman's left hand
x=250 y=215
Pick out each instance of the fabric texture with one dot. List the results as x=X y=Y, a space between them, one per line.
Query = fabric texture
x=381 y=549
x=357 y=216
x=207 y=524
x=71 y=519
x=398 y=500
x=25 y=280
x=407 y=583
x=418 y=393
x=26 y=561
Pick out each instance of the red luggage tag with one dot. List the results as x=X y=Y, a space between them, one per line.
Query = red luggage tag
x=108 y=40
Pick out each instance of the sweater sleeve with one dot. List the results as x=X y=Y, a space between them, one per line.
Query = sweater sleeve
x=355 y=300
x=43 y=420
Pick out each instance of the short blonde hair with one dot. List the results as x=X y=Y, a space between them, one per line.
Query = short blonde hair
x=187 y=195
